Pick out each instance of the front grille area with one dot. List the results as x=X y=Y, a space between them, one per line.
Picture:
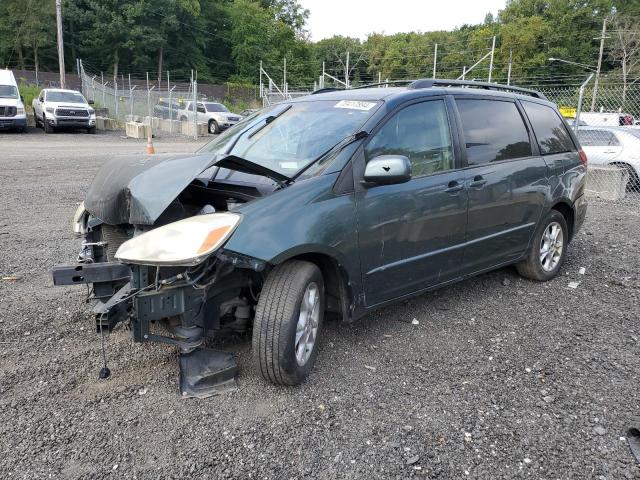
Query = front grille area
x=69 y=112
x=8 y=111
x=233 y=119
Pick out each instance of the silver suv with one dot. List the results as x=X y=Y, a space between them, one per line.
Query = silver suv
x=215 y=115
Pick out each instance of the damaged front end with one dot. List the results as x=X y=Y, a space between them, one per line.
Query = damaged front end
x=157 y=263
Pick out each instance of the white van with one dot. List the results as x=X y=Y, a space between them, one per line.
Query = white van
x=12 y=114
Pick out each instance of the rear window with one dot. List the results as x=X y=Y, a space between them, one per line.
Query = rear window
x=493 y=131
x=549 y=128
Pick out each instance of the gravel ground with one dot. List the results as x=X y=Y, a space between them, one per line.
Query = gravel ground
x=501 y=378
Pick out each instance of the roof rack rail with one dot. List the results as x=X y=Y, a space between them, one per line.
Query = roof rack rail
x=326 y=89
x=432 y=82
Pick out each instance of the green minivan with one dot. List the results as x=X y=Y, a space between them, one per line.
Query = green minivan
x=325 y=206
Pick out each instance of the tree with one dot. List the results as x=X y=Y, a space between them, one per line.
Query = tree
x=625 y=47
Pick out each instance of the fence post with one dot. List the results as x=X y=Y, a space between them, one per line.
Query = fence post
x=580 y=97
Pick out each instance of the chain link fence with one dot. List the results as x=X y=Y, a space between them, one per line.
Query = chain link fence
x=169 y=108
x=606 y=120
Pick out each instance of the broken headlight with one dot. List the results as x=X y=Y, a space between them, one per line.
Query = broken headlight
x=80 y=220
x=183 y=243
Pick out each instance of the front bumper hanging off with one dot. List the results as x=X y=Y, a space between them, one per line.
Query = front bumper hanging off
x=120 y=294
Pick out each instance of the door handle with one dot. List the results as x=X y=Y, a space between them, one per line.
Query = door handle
x=478 y=182
x=454 y=187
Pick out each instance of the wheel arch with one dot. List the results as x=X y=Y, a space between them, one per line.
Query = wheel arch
x=568 y=212
x=338 y=289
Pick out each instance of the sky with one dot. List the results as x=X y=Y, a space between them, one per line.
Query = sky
x=357 y=18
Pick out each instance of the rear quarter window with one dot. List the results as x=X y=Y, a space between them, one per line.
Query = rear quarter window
x=493 y=131
x=549 y=129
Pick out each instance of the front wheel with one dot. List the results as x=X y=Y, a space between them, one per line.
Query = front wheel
x=287 y=323
x=213 y=127
x=548 y=249
x=48 y=128
x=91 y=130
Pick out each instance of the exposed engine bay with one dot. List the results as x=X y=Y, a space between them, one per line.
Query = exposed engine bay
x=179 y=305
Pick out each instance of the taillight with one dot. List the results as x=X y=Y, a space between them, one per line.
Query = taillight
x=583 y=157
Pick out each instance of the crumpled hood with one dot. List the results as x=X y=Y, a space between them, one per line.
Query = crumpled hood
x=136 y=190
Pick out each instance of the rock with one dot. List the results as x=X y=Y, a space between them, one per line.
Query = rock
x=407 y=428
x=413 y=460
x=573 y=284
x=506 y=282
x=369 y=367
x=582 y=271
x=599 y=430
x=548 y=398
x=415 y=322
x=467 y=437
x=527 y=461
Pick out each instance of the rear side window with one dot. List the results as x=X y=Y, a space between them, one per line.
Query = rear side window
x=421 y=133
x=549 y=128
x=493 y=131
x=597 y=138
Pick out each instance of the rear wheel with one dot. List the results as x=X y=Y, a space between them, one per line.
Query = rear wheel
x=288 y=321
x=633 y=184
x=548 y=249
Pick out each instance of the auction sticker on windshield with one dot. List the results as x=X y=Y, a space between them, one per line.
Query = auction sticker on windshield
x=355 y=105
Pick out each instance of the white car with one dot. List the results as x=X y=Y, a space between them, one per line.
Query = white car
x=215 y=115
x=618 y=146
x=12 y=114
x=55 y=108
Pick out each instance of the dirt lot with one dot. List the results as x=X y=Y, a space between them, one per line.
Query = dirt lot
x=501 y=378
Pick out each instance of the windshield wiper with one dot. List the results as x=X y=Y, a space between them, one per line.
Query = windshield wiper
x=269 y=120
x=337 y=147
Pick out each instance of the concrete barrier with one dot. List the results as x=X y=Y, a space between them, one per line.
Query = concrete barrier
x=172 y=126
x=154 y=121
x=103 y=123
x=133 y=118
x=136 y=130
x=188 y=129
x=606 y=182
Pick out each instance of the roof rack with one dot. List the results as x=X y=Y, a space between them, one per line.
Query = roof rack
x=432 y=82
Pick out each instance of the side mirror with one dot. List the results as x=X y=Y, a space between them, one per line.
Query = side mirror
x=388 y=170
x=91 y=102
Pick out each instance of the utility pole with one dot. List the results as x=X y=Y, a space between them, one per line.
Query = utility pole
x=595 y=85
x=60 y=43
x=493 y=49
x=509 y=71
x=346 y=72
x=284 y=78
x=435 y=60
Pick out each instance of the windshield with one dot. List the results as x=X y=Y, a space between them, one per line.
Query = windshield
x=215 y=107
x=66 y=97
x=8 y=91
x=287 y=137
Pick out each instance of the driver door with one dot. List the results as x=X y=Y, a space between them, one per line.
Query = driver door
x=411 y=235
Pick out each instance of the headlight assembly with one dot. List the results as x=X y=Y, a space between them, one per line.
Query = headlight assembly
x=183 y=243
x=49 y=109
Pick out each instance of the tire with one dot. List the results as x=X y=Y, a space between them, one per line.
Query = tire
x=276 y=324
x=183 y=119
x=633 y=184
x=213 y=127
x=91 y=130
x=534 y=267
x=47 y=128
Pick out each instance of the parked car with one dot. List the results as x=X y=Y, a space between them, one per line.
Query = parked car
x=12 y=114
x=618 y=146
x=216 y=115
x=164 y=109
x=385 y=194
x=57 y=108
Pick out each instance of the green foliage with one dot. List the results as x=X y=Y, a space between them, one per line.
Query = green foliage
x=28 y=92
x=225 y=40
